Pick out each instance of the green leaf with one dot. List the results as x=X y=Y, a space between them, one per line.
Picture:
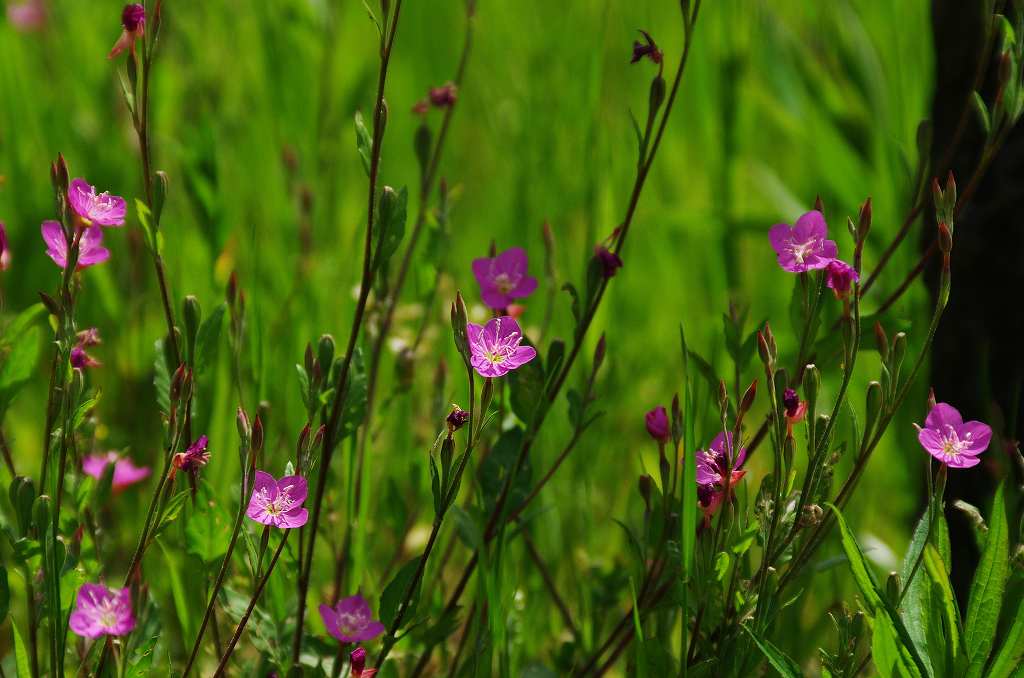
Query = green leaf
x=178 y=593
x=207 y=339
x=26 y=319
x=779 y=661
x=18 y=365
x=364 y=143
x=526 y=385
x=1011 y=655
x=171 y=512
x=390 y=224
x=20 y=654
x=987 y=589
x=911 y=663
x=208 y=532
x=916 y=607
x=887 y=653
x=395 y=592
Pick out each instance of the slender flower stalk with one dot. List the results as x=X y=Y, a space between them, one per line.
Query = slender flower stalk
x=341 y=386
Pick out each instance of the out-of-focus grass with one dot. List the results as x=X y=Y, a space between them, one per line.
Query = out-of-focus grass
x=782 y=101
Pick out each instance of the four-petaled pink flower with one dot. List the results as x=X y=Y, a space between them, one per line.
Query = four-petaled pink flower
x=504 y=278
x=839 y=275
x=714 y=466
x=125 y=471
x=805 y=245
x=656 y=422
x=90 y=246
x=358 y=660
x=351 y=621
x=133 y=22
x=5 y=249
x=495 y=347
x=951 y=440
x=81 y=360
x=101 y=209
x=278 y=502
x=102 y=612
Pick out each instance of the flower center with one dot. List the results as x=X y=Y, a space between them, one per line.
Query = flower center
x=276 y=507
x=952 y=445
x=107 y=614
x=802 y=250
x=504 y=283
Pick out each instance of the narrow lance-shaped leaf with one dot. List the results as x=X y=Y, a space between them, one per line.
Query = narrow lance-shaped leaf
x=987 y=589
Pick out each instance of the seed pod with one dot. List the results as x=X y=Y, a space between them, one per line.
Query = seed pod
x=875 y=400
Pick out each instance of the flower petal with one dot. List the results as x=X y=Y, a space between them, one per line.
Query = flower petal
x=943 y=415
x=295 y=486
x=780 y=236
x=512 y=262
x=980 y=435
x=527 y=284
x=330 y=619
x=56 y=245
x=810 y=225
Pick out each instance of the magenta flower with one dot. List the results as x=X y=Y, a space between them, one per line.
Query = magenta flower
x=194 y=458
x=101 y=209
x=839 y=275
x=133 y=22
x=657 y=424
x=495 y=347
x=358 y=660
x=29 y=15
x=278 y=502
x=81 y=360
x=102 y=612
x=125 y=471
x=610 y=261
x=350 y=620
x=647 y=48
x=805 y=245
x=714 y=466
x=504 y=278
x=951 y=440
x=90 y=246
x=443 y=96
x=5 y=249
x=89 y=337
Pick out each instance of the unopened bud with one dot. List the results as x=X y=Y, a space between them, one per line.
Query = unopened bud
x=657 y=96
x=818 y=204
x=864 y=221
x=875 y=399
x=892 y=588
x=945 y=239
x=881 y=341
x=178 y=383
x=159 y=195
x=763 y=350
x=243 y=426
x=748 y=398
x=811 y=383
x=421 y=145
x=599 y=353
x=931 y=399
x=303 y=442
x=645 y=485
x=257 y=433
x=325 y=351
x=899 y=350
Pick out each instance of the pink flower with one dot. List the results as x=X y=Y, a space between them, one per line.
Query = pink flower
x=714 y=466
x=125 y=471
x=101 y=209
x=89 y=337
x=657 y=424
x=194 y=458
x=133 y=21
x=647 y=48
x=102 y=612
x=350 y=621
x=443 y=96
x=610 y=261
x=504 y=278
x=495 y=347
x=358 y=660
x=5 y=249
x=951 y=440
x=81 y=360
x=839 y=275
x=803 y=246
x=26 y=16
x=278 y=502
x=90 y=246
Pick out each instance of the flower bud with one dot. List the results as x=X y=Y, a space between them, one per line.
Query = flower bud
x=864 y=220
x=945 y=239
x=748 y=398
x=232 y=290
x=243 y=426
x=41 y=513
x=677 y=420
x=657 y=95
x=656 y=422
x=456 y=419
x=811 y=383
x=881 y=341
x=599 y=352
x=62 y=174
x=763 y=350
x=159 y=194
x=875 y=399
x=460 y=317
x=818 y=204
x=892 y=588
x=645 y=485
x=770 y=338
x=193 y=315
x=303 y=443
x=257 y=433
x=178 y=383
x=50 y=303
x=899 y=350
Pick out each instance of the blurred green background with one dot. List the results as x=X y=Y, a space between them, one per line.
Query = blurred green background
x=252 y=107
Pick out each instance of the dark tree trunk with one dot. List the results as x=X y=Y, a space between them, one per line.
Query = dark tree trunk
x=977 y=355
